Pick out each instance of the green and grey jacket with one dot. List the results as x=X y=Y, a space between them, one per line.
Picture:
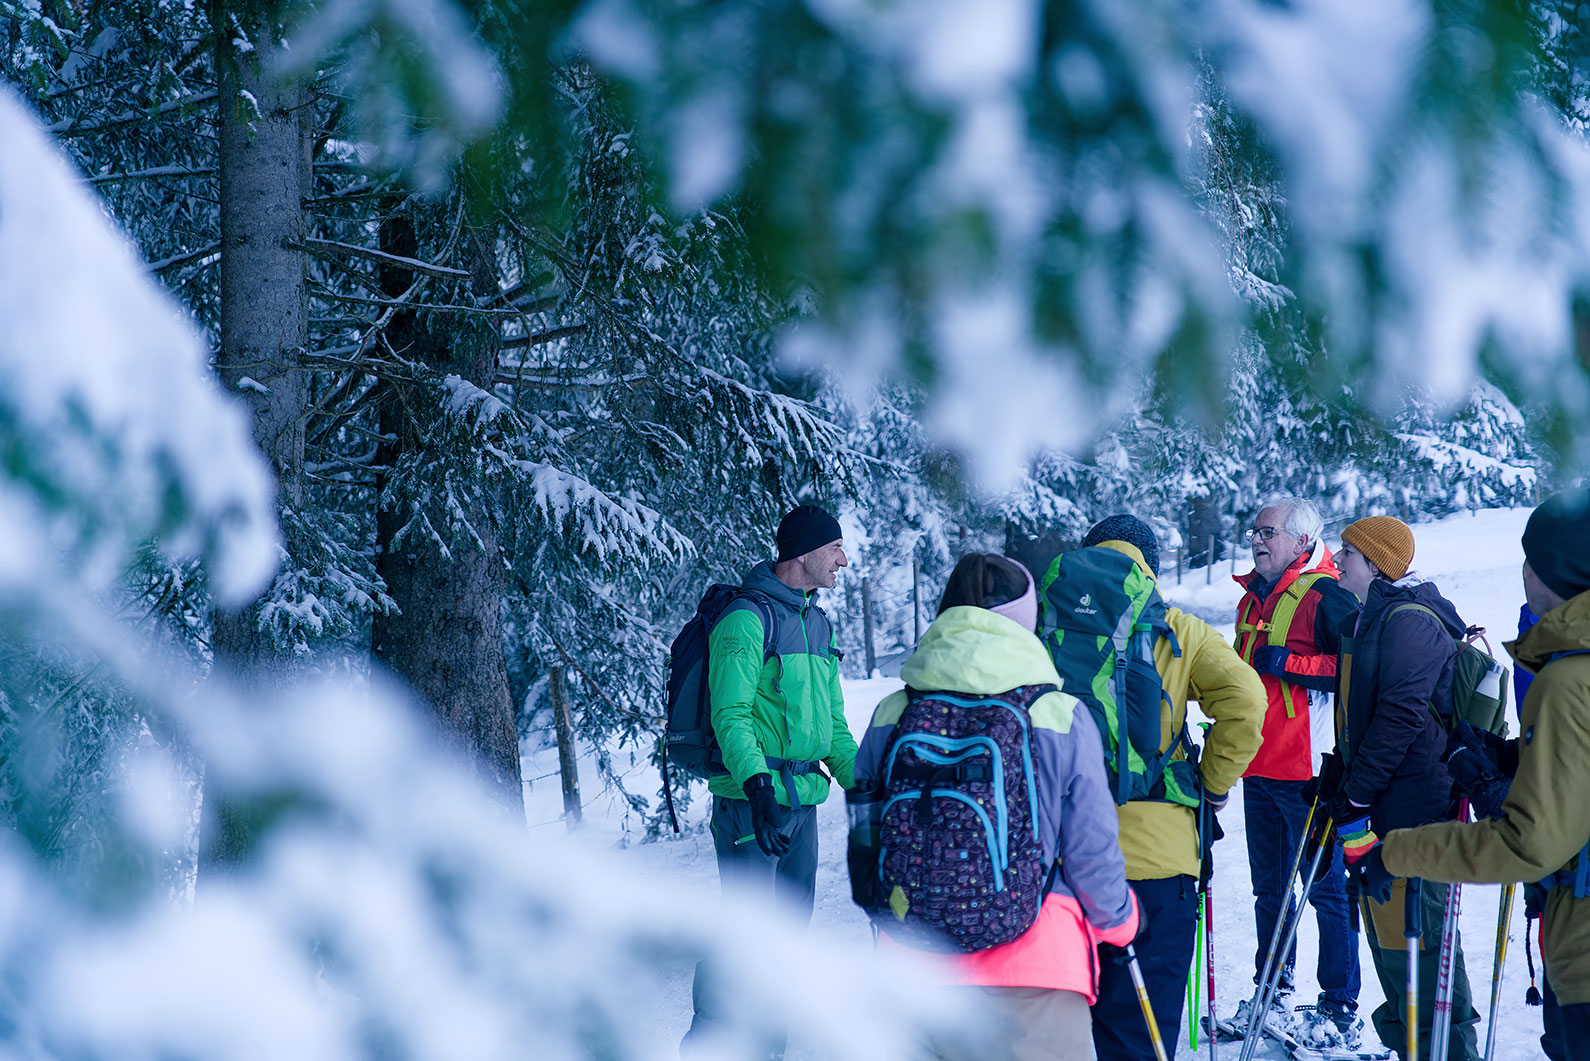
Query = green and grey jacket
x=786 y=705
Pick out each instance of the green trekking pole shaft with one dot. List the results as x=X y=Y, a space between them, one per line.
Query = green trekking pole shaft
x=1144 y=1004
x=1411 y=918
x=1504 y=922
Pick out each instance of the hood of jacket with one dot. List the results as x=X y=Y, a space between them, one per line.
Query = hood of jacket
x=1566 y=628
x=1410 y=589
x=762 y=579
x=974 y=650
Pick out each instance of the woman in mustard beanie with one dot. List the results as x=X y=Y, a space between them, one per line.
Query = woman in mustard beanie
x=1395 y=663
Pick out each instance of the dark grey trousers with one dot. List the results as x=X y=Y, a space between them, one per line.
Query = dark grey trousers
x=1391 y=965
x=789 y=881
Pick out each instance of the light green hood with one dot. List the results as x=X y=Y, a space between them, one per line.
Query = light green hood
x=973 y=650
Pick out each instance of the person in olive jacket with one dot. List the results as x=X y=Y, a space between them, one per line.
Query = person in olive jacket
x=777 y=713
x=1396 y=662
x=1544 y=826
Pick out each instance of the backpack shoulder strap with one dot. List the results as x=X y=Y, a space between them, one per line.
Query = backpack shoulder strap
x=1280 y=624
x=1416 y=607
x=1279 y=628
x=764 y=610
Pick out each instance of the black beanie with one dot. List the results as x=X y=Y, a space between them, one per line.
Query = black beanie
x=804 y=529
x=1557 y=542
x=1132 y=531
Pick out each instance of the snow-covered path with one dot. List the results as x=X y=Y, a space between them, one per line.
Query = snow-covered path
x=1474 y=559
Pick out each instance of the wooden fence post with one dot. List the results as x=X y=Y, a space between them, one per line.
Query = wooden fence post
x=568 y=759
x=916 y=601
x=866 y=613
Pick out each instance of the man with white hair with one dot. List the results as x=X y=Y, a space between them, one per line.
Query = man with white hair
x=1287 y=623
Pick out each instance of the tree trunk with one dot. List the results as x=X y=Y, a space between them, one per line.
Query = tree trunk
x=446 y=640
x=568 y=753
x=263 y=165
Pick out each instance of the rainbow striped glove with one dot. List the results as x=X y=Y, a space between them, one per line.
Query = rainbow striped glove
x=1358 y=839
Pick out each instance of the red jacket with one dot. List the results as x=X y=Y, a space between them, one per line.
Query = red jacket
x=1290 y=741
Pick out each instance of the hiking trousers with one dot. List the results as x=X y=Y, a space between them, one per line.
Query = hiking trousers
x=1565 y=1032
x=788 y=882
x=1170 y=908
x=1021 y=1024
x=1391 y=965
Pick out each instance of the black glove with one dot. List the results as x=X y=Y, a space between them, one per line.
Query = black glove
x=1534 y=901
x=1110 y=952
x=1271 y=659
x=1327 y=782
x=767 y=817
x=1212 y=809
x=1481 y=765
x=1371 y=878
x=1342 y=810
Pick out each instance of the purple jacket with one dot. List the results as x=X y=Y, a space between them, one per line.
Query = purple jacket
x=974 y=651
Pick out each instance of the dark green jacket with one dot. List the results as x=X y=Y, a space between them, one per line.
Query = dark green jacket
x=1546 y=818
x=788 y=706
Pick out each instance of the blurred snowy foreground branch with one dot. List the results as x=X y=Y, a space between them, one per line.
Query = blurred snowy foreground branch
x=385 y=908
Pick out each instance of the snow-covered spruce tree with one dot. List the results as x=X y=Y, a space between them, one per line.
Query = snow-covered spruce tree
x=666 y=447
x=908 y=519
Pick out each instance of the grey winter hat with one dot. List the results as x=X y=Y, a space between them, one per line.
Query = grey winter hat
x=806 y=528
x=1132 y=531
x=1557 y=542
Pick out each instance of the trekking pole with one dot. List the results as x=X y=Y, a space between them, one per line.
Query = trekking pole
x=1504 y=919
x=1250 y=1040
x=1143 y=1003
x=1441 y=1016
x=1410 y=932
x=1275 y=934
x=1209 y=965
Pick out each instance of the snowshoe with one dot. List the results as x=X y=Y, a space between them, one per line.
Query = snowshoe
x=1277 y=1024
x=1330 y=1033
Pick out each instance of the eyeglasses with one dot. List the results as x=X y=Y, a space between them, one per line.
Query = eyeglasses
x=1262 y=534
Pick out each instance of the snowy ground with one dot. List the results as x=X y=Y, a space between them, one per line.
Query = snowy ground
x=1474 y=559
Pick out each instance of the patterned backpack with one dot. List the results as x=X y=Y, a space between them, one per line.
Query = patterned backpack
x=958 y=858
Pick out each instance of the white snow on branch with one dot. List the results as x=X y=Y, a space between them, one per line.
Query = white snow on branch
x=596 y=521
x=94 y=359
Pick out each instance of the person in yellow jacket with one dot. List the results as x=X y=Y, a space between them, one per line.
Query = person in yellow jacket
x=1543 y=832
x=1160 y=840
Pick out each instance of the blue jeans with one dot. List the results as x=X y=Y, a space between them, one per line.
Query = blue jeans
x=1170 y=907
x=1275 y=812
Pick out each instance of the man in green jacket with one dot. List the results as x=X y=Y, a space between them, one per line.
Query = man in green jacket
x=777 y=713
x=1544 y=826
